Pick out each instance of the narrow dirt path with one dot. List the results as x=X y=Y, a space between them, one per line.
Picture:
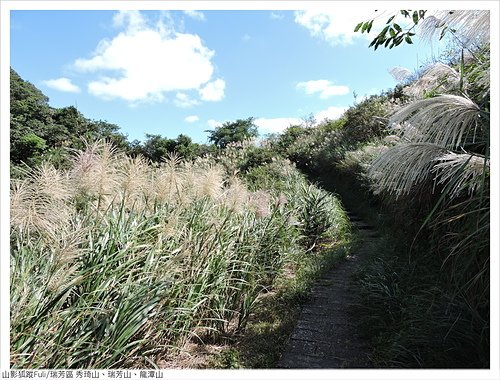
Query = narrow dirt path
x=327 y=332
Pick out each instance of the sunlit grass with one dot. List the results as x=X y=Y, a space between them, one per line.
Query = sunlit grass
x=119 y=263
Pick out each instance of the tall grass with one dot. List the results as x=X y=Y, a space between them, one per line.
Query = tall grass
x=116 y=263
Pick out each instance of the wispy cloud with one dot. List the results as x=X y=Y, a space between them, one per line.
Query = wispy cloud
x=62 y=84
x=323 y=87
x=191 y=119
x=183 y=100
x=336 y=26
x=276 y=16
x=197 y=15
x=148 y=60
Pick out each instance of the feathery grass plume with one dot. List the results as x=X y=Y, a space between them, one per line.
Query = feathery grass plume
x=446 y=120
x=403 y=166
x=134 y=174
x=260 y=201
x=95 y=172
x=39 y=202
x=401 y=74
x=203 y=181
x=236 y=195
x=472 y=26
x=53 y=183
x=168 y=182
x=211 y=182
x=465 y=171
x=437 y=78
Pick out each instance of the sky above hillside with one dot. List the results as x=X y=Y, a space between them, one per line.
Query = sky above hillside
x=172 y=72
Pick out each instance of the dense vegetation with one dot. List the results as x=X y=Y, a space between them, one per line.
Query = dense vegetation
x=122 y=253
x=122 y=256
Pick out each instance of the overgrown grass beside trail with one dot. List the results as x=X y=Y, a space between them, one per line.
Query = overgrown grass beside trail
x=118 y=263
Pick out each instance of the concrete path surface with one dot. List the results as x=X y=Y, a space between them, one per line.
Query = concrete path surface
x=327 y=334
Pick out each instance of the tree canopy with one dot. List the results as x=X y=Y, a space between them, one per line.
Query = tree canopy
x=233 y=132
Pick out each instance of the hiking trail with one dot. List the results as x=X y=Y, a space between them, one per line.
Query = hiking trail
x=327 y=334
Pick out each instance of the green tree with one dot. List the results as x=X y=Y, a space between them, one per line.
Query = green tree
x=37 y=130
x=233 y=131
x=30 y=149
x=156 y=147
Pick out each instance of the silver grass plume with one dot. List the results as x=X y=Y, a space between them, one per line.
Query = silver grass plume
x=134 y=176
x=39 y=202
x=236 y=195
x=437 y=78
x=95 y=169
x=444 y=120
x=464 y=171
x=473 y=26
x=400 y=168
x=400 y=73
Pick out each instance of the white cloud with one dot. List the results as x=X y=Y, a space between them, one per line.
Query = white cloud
x=145 y=61
x=213 y=91
x=276 y=125
x=213 y=123
x=324 y=87
x=133 y=20
x=246 y=38
x=191 y=119
x=276 y=16
x=331 y=113
x=62 y=84
x=367 y=94
x=197 y=15
x=337 y=25
x=184 y=100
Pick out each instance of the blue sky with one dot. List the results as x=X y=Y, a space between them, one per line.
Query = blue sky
x=172 y=72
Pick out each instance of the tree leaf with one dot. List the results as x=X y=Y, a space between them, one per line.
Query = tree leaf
x=384 y=31
x=398 y=28
x=415 y=17
x=369 y=27
x=408 y=39
x=358 y=26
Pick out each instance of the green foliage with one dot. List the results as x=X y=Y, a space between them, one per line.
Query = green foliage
x=393 y=34
x=317 y=215
x=113 y=256
x=414 y=320
x=59 y=128
x=233 y=132
x=30 y=149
